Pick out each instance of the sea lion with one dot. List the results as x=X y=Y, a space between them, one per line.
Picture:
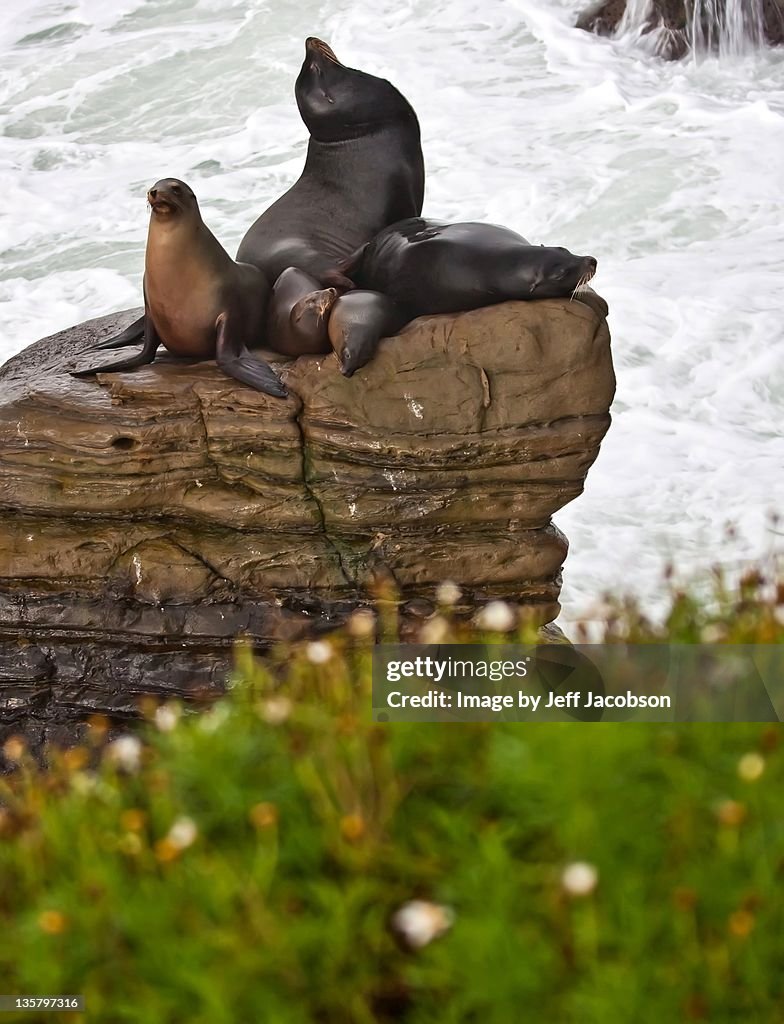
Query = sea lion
x=364 y=169
x=428 y=266
x=358 y=322
x=298 y=313
x=197 y=301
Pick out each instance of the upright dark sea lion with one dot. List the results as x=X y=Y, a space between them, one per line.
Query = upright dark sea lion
x=364 y=170
x=298 y=313
x=197 y=301
x=427 y=266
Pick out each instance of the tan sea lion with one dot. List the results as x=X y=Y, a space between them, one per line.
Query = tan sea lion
x=198 y=302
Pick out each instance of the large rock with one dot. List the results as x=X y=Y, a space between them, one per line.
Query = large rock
x=148 y=518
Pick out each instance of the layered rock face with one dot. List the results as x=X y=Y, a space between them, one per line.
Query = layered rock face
x=148 y=518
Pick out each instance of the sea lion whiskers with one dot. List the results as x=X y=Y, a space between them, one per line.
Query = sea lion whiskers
x=582 y=284
x=577 y=288
x=325 y=302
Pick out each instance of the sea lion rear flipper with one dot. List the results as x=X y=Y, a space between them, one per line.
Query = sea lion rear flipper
x=142 y=358
x=236 y=361
x=132 y=333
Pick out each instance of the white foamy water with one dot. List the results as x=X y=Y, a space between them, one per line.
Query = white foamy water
x=670 y=174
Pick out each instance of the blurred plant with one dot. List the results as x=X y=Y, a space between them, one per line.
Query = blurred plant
x=282 y=857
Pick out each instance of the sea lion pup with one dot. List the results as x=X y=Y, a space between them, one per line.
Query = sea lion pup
x=427 y=266
x=357 y=323
x=197 y=301
x=364 y=169
x=298 y=313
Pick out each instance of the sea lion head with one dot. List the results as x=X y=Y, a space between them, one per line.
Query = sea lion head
x=337 y=102
x=171 y=199
x=552 y=272
x=310 y=314
x=354 y=347
x=354 y=341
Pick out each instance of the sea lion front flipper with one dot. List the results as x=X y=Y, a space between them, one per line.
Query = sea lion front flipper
x=142 y=358
x=132 y=333
x=236 y=361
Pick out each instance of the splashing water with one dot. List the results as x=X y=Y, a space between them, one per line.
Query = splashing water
x=636 y=17
x=730 y=27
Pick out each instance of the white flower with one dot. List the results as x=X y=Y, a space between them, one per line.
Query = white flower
x=183 y=833
x=126 y=753
x=751 y=766
x=276 y=710
x=712 y=633
x=434 y=631
x=419 y=922
x=166 y=717
x=318 y=652
x=496 y=616
x=362 y=623
x=448 y=593
x=579 y=878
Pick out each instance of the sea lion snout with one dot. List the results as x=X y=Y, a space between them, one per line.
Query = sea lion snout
x=315 y=47
x=588 y=269
x=170 y=194
x=326 y=300
x=159 y=201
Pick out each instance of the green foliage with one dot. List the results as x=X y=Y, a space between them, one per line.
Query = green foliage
x=247 y=863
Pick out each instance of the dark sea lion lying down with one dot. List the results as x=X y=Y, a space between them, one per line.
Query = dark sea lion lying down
x=197 y=301
x=427 y=266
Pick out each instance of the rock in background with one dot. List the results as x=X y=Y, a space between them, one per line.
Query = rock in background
x=148 y=518
x=676 y=30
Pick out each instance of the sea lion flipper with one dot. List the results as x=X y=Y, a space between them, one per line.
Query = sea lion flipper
x=133 y=332
x=142 y=358
x=236 y=361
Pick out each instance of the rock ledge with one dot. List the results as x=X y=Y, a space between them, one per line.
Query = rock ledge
x=148 y=518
